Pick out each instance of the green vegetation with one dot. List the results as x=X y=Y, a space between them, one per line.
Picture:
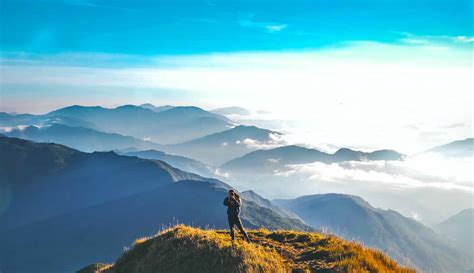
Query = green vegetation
x=186 y=249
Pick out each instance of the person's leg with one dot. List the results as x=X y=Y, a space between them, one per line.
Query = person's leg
x=242 y=230
x=231 y=227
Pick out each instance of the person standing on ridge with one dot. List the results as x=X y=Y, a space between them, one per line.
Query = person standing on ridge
x=233 y=203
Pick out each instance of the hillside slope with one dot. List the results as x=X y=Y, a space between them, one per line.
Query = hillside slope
x=61 y=208
x=180 y=162
x=225 y=145
x=37 y=177
x=184 y=249
x=459 y=228
x=459 y=148
x=84 y=139
x=404 y=239
x=24 y=120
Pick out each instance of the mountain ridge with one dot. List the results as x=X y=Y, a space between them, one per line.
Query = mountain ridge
x=407 y=241
x=180 y=162
x=226 y=145
x=173 y=125
x=459 y=228
x=84 y=139
x=458 y=148
x=294 y=154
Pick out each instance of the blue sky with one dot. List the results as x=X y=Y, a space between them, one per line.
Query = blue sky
x=190 y=27
x=397 y=74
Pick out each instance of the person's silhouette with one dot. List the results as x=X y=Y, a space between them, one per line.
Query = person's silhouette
x=233 y=203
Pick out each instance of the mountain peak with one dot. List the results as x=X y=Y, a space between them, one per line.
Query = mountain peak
x=147 y=105
x=191 y=111
x=331 y=197
x=128 y=106
x=156 y=108
x=232 y=110
x=76 y=107
x=458 y=148
x=271 y=251
x=252 y=128
x=345 y=151
x=186 y=108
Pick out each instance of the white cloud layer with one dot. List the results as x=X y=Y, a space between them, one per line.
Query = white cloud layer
x=359 y=94
x=430 y=187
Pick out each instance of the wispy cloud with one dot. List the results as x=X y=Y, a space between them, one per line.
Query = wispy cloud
x=274 y=140
x=275 y=28
x=438 y=40
x=93 y=4
x=268 y=27
x=464 y=39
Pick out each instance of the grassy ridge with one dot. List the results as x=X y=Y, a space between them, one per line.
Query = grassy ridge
x=186 y=249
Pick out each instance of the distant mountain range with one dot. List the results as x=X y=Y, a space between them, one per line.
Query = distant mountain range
x=263 y=202
x=233 y=110
x=218 y=148
x=84 y=139
x=460 y=229
x=10 y=121
x=163 y=124
x=460 y=148
x=404 y=239
x=62 y=208
x=278 y=157
x=156 y=108
x=180 y=162
x=175 y=125
x=193 y=131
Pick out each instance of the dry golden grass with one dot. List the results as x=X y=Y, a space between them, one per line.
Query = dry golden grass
x=95 y=268
x=185 y=249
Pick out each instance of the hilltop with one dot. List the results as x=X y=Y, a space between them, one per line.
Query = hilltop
x=187 y=249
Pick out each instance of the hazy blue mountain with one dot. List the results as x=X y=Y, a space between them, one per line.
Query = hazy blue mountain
x=250 y=195
x=345 y=154
x=62 y=208
x=400 y=237
x=41 y=180
x=180 y=162
x=174 y=125
x=218 y=148
x=460 y=148
x=103 y=231
x=80 y=138
x=9 y=120
x=232 y=110
x=156 y=108
x=460 y=229
x=278 y=157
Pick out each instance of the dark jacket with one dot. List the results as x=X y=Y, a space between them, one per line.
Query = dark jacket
x=233 y=206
